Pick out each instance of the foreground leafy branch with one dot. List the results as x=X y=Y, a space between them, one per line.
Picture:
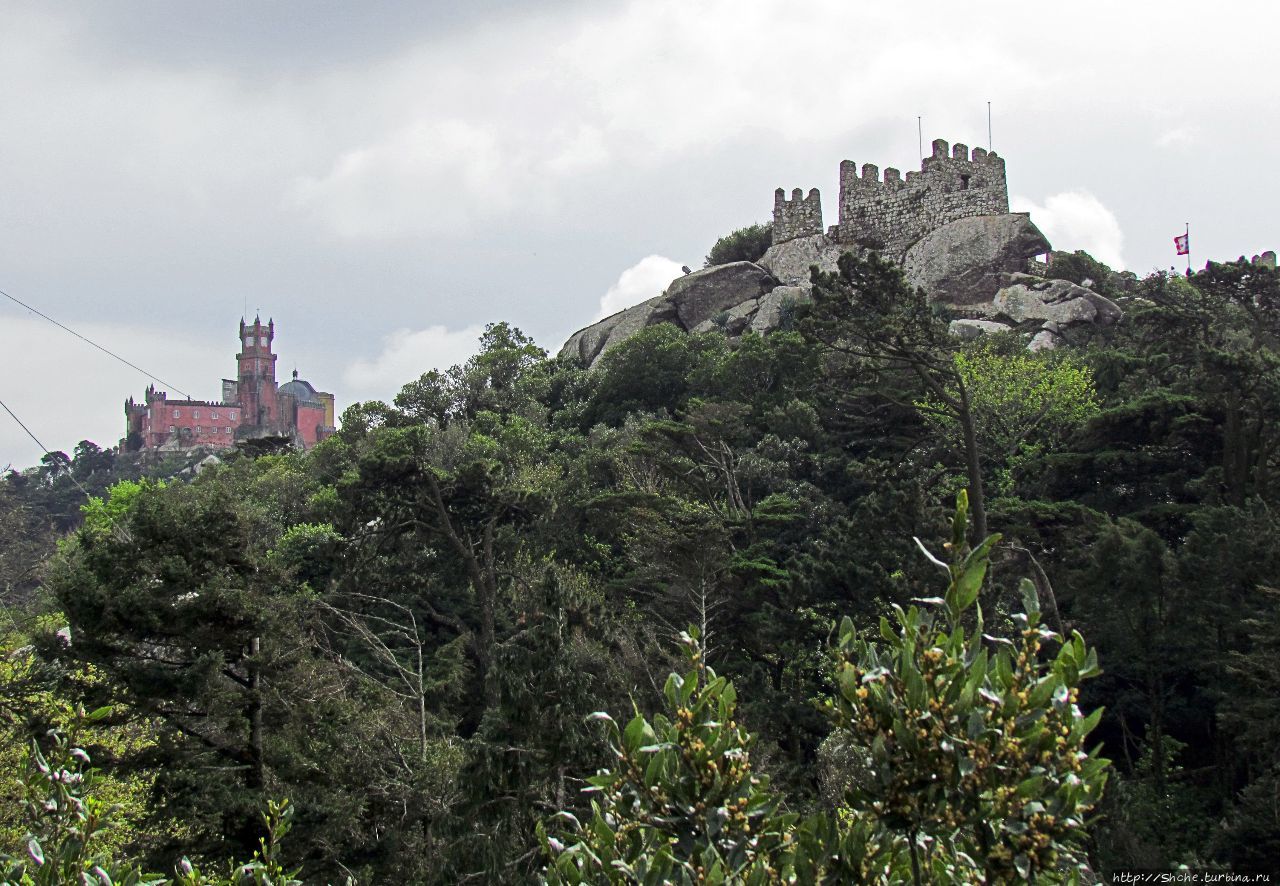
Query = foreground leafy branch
x=968 y=762
x=68 y=822
x=973 y=745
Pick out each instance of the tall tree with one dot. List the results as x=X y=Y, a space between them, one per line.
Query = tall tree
x=876 y=330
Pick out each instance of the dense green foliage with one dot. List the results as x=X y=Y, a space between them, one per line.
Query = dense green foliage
x=744 y=244
x=69 y=838
x=1082 y=268
x=405 y=630
x=966 y=763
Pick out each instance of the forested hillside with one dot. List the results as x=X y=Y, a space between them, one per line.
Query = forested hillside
x=413 y=632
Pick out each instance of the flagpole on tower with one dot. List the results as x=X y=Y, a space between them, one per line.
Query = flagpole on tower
x=989 y=146
x=920 y=134
x=1187 y=234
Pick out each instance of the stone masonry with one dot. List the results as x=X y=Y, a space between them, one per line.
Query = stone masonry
x=798 y=217
x=889 y=214
x=948 y=227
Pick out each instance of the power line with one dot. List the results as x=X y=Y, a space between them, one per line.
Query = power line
x=43 y=448
x=106 y=351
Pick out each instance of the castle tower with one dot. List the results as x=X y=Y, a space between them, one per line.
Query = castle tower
x=800 y=216
x=257 y=374
x=889 y=214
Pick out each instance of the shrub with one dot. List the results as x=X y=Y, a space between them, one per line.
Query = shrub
x=965 y=755
x=744 y=244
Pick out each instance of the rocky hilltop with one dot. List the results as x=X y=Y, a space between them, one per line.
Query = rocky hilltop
x=947 y=226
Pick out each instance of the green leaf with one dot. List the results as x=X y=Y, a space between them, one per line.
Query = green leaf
x=1030 y=600
x=637 y=733
x=1031 y=786
x=960 y=522
x=932 y=559
x=1023 y=864
x=1004 y=669
x=848 y=679
x=674 y=684
x=1090 y=667
x=1090 y=722
x=969 y=583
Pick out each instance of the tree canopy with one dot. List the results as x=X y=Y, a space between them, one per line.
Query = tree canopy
x=405 y=631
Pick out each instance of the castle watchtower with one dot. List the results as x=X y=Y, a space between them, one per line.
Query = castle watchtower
x=890 y=214
x=800 y=216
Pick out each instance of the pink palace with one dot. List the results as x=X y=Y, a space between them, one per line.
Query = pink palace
x=252 y=405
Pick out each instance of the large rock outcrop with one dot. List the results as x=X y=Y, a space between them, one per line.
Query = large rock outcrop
x=964 y=262
x=791 y=260
x=968 y=329
x=772 y=308
x=724 y=296
x=1057 y=301
x=704 y=295
x=974 y=266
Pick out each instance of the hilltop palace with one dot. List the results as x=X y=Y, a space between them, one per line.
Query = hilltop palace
x=252 y=406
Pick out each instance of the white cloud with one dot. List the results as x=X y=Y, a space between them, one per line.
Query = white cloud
x=1077 y=220
x=1178 y=137
x=73 y=392
x=407 y=354
x=426 y=178
x=643 y=280
x=525 y=156
x=443 y=145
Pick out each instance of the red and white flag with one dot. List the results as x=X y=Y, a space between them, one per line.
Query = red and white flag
x=1183 y=243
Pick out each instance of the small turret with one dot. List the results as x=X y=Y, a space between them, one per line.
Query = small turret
x=800 y=216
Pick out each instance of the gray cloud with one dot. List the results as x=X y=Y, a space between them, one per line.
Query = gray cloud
x=358 y=170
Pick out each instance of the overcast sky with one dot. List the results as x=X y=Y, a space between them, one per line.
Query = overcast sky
x=384 y=178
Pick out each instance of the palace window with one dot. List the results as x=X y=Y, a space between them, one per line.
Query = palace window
x=196 y=413
x=213 y=414
x=177 y=413
x=228 y=432
x=233 y=415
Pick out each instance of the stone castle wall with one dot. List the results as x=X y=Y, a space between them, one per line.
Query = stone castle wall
x=890 y=213
x=798 y=217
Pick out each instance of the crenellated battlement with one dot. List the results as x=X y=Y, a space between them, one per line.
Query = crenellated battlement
x=801 y=216
x=890 y=212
